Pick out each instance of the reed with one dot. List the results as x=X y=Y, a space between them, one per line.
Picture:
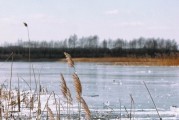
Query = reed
x=32 y=103
x=69 y=59
x=10 y=82
x=64 y=89
x=70 y=99
x=128 y=115
x=46 y=104
x=66 y=93
x=132 y=107
x=63 y=86
x=59 y=109
x=35 y=79
x=76 y=80
x=39 y=108
x=50 y=113
x=120 y=109
x=29 y=43
x=56 y=105
x=86 y=109
x=78 y=87
x=18 y=97
x=152 y=101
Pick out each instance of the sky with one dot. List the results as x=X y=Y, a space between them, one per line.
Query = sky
x=58 y=19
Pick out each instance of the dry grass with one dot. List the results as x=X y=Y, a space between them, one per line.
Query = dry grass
x=77 y=85
x=86 y=109
x=50 y=113
x=132 y=61
x=63 y=86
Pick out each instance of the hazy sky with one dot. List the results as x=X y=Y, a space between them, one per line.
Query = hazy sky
x=58 y=19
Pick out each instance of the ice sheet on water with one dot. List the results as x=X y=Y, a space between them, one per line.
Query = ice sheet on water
x=97 y=79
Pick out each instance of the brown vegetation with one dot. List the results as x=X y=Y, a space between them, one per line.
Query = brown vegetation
x=132 y=61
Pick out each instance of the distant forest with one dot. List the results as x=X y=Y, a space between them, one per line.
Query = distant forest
x=91 y=46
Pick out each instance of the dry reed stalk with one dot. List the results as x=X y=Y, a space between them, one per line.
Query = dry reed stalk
x=126 y=111
x=78 y=97
x=69 y=59
x=59 y=109
x=4 y=95
x=29 y=43
x=56 y=104
x=78 y=89
x=120 y=108
x=25 y=99
x=66 y=92
x=78 y=86
x=10 y=81
x=12 y=103
x=50 y=113
x=25 y=82
x=18 y=101
x=47 y=101
x=69 y=101
x=69 y=96
x=77 y=82
x=34 y=79
x=0 y=111
x=39 y=110
x=18 y=97
x=32 y=103
x=63 y=86
x=39 y=106
x=86 y=109
x=152 y=100
x=132 y=107
x=6 y=114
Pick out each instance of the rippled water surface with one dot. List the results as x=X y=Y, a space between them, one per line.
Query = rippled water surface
x=102 y=83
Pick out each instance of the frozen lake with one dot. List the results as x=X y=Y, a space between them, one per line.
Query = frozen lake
x=103 y=83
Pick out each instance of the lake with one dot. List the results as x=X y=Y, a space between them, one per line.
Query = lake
x=102 y=83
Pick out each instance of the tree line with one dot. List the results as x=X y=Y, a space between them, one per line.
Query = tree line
x=91 y=46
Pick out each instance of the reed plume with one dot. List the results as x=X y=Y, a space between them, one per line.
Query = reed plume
x=69 y=59
x=78 y=86
x=78 y=89
x=86 y=109
x=50 y=113
x=66 y=92
x=25 y=24
x=63 y=86
x=69 y=96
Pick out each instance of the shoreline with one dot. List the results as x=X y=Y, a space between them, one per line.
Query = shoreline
x=113 y=60
x=132 y=61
